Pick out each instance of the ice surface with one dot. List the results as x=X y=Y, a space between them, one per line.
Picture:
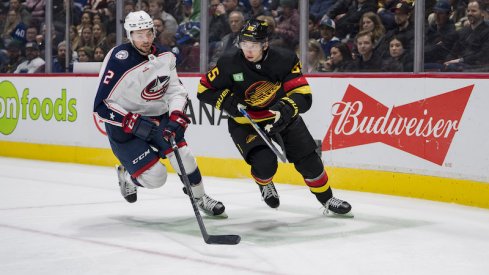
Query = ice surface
x=58 y=218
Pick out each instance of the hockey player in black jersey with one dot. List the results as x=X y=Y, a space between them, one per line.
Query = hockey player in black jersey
x=142 y=102
x=269 y=82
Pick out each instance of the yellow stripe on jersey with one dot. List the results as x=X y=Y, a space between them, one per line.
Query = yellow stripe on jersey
x=201 y=88
x=306 y=89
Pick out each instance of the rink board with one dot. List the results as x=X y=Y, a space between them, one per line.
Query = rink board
x=417 y=136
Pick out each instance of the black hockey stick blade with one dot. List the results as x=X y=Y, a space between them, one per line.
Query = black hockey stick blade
x=209 y=239
x=223 y=239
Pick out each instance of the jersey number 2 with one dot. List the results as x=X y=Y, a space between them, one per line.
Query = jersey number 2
x=108 y=77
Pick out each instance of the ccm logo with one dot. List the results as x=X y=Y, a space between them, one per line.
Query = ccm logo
x=141 y=157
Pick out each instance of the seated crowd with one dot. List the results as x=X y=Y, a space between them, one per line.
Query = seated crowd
x=345 y=35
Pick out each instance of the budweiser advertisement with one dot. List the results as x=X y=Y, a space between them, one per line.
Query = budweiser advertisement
x=424 y=128
x=430 y=126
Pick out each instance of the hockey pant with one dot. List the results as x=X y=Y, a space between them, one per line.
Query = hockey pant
x=300 y=149
x=141 y=159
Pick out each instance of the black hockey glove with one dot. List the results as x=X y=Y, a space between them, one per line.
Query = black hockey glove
x=286 y=111
x=178 y=124
x=138 y=125
x=229 y=103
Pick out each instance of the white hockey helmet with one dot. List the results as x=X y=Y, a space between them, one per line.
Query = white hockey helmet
x=138 y=20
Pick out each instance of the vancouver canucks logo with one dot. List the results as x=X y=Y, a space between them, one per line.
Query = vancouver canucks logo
x=156 y=89
x=261 y=93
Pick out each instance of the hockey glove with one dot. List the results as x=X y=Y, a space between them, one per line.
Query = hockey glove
x=138 y=125
x=178 y=124
x=285 y=111
x=229 y=103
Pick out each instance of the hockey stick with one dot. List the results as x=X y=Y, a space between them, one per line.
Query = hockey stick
x=262 y=134
x=209 y=239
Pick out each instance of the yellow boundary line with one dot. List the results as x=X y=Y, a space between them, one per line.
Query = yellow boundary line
x=466 y=192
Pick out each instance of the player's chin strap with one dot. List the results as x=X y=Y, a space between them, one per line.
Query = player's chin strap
x=262 y=134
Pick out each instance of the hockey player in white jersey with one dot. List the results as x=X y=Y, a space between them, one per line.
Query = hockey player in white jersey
x=142 y=102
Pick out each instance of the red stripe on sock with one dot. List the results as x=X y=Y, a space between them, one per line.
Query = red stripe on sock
x=319 y=182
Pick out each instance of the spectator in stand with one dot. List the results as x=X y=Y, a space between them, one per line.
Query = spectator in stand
x=440 y=36
x=404 y=27
x=20 y=9
x=399 y=59
x=33 y=62
x=85 y=54
x=230 y=41
x=459 y=10
x=328 y=38
x=31 y=33
x=97 y=19
x=386 y=12
x=313 y=27
x=74 y=37
x=36 y=7
x=99 y=34
x=232 y=5
x=288 y=24
x=15 y=57
x=167 y=41
x=129 y=6
x=367 y=59
x=318 y=8
x=315 y=57
x=347 y=14
x=86 y=39
x=14 y=28
x=142 y=5
x=86 y=21
x=99 y=53
x=340 y=59
x=102 y=7
x=256 y=9
x=471 y=51
x=218 y=26
x=156 y=11
x=370 y=21
x=187 y=11
x=159 y=26
x=175 y=8
x=59 y=61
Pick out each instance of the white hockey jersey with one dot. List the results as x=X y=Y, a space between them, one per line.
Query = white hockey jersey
x=131 y=82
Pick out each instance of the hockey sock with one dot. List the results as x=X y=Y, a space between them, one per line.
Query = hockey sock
x=319 y=186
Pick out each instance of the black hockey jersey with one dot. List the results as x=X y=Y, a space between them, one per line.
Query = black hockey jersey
x=258 y=85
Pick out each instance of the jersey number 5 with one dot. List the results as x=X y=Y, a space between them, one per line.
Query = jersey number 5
x=213 y=73
x=108 y=77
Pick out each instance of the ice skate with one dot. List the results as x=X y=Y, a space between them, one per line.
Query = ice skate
x=209 y=206
x=337 y=207
x=128 y=189
x=269 y=194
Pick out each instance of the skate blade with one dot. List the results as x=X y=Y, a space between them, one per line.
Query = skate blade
x=331 y=214
x=221 y=216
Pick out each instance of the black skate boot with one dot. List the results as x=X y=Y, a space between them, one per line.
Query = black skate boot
x=209 y=206
x=269 y=195
x=338 y=207
x=128 y=189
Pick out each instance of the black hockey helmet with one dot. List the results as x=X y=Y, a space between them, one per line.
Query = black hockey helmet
x=254 y=30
